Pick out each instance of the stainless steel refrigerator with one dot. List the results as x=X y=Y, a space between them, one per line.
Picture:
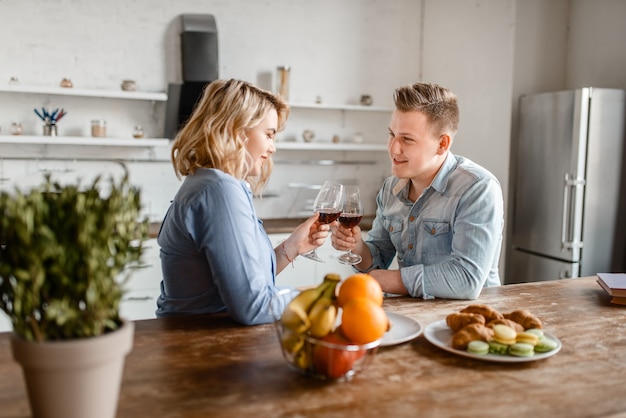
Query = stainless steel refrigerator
x=569 y=196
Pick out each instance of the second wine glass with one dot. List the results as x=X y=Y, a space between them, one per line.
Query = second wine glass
x=351 y=216
x=328 y=203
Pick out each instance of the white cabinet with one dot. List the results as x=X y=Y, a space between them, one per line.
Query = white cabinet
x=143 y=289
x=144 y=286
x=307 y=272
x=5 y=322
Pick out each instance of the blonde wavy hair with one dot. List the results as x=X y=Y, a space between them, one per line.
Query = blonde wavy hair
x=215 y=137
x=437 y=103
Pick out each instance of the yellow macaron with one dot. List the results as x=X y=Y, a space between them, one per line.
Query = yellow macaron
x=527 y=338
x=504 y=334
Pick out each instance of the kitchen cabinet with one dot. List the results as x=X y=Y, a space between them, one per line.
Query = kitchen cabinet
x=143 y=289
x=307 y=272
x=144 y=285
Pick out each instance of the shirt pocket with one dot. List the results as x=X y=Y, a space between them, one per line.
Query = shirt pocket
x=437 y=241
x=394 y=229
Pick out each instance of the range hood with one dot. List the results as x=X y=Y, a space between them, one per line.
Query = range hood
x=200 y=66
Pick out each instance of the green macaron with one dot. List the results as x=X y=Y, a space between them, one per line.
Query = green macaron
x=498 y=348
x=478 y=347
x=545 y=344
x=521 y=350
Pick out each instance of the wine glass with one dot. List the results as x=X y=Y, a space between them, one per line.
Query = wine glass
x=351 y=216
x=328 y=203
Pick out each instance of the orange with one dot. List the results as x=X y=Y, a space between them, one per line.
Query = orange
x=363 y=321
x=360 y=285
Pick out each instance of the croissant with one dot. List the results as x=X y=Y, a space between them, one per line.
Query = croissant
x=461 y=339
x=508 y=322
x=524 y=318
x=487 y=311
x=456 y=321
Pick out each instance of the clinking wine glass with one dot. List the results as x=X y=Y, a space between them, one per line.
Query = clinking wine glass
x=351 y=216
x=328 y=203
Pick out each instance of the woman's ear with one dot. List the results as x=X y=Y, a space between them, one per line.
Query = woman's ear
x=444 y=143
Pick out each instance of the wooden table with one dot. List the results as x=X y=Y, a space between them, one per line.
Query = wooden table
x=209 y=366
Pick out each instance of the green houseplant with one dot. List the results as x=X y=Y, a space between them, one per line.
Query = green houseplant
x=64 y=261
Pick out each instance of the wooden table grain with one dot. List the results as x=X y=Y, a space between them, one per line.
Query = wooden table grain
x=208 y=366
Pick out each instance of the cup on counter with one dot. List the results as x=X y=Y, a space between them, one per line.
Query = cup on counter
x=98 y=128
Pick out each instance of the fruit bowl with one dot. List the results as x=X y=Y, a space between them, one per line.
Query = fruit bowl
x=328 y=358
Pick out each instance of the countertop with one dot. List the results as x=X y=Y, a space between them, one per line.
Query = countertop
x=274 y=226
x=201 y=366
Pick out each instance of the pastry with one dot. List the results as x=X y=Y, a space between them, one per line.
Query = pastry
x=521 y=350
x=504 y=334
x=545 y=344
x=458 y=320
x=525 y=318
x=487 y=311
x=461 y=339
x=478 y=347
x=508 y=322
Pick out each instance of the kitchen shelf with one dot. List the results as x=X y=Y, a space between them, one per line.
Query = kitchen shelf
x=323 y=106
x=83 y=140
x=328 y=146
x=110 y=94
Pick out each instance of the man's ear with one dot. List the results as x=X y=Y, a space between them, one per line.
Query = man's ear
x=444 y=143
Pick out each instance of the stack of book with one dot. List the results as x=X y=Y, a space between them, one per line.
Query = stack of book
x=615 y=285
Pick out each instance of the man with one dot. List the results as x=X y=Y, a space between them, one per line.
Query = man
x=441 y=214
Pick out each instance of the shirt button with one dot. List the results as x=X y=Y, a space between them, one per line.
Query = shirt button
x=391 y=229
x=410 y=246
x=412 y=218
x=432 y=231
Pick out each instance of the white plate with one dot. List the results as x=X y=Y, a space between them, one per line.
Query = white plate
x=403 y=329
x=439 y=334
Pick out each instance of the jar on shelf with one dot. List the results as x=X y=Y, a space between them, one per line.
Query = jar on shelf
x=282 y=82
x=138 y=131
x=98 y=128
x=16 y=128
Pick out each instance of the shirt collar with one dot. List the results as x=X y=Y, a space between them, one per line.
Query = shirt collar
x=439 y=183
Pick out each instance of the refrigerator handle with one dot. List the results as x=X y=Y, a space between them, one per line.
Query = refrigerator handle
x=568 y=243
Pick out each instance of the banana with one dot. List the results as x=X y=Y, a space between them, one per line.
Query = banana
x=296 y=315
x=323 y=317
x=307 y=297
x=292 y=342
x=302 y=359
x=295 y=319
x=323 y=314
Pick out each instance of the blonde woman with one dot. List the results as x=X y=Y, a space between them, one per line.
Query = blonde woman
x=215 y=253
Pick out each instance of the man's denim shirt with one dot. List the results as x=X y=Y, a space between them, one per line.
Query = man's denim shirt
x=448 y=242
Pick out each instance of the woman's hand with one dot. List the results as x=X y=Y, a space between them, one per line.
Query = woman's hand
x=307 y=236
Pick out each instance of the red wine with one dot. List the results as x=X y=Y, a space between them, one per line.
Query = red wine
x=350 y=220
x=328 y=217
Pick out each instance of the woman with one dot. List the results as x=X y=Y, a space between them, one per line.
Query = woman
x=215 y=253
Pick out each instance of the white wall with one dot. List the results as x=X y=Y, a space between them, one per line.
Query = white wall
x=488 y=51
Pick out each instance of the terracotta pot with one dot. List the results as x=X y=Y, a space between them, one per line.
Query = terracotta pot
x=76 y=378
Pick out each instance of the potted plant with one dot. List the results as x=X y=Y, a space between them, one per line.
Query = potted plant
x=64 y=263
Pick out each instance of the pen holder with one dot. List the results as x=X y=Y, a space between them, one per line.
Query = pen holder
x=50 y=129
